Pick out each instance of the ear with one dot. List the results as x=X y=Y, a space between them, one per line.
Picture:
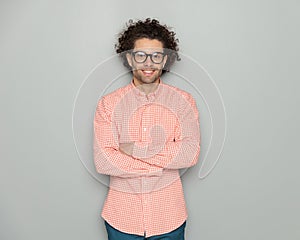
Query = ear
x=165 y=60
x=129 y=59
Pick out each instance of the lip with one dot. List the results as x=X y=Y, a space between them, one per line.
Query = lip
x=148 y=72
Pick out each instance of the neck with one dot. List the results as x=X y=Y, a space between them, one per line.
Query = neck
x=146 y=87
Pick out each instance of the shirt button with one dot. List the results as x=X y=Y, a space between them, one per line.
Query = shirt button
x=145 y=129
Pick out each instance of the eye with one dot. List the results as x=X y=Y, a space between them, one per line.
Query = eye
x=140 y=54
x=157 y=57
x=140 y=57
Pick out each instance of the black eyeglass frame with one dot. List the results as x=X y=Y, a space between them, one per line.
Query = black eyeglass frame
x=149 y=55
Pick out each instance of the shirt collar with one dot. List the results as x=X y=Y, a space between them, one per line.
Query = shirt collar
x=142 y=94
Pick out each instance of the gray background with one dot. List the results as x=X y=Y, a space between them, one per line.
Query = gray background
x=250 y=48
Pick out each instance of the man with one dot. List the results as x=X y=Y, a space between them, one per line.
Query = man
x=143 y=134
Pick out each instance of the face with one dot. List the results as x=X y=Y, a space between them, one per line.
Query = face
x=147 y=72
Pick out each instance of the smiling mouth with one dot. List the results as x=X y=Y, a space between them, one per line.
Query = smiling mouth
x=148 y=72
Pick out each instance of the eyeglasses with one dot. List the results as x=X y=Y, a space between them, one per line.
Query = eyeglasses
x=141 y=57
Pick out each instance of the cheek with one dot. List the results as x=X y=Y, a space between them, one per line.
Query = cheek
x=136 y=66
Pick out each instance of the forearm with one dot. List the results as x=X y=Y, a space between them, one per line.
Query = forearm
x=173 y=155
x=110 y=161
x=182 y=152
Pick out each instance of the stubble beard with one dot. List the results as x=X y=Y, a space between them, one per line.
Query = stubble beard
x=139 y=76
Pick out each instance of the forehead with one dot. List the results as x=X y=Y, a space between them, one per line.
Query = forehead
x=148 y=45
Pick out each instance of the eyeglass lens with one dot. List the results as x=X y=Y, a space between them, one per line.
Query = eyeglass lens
x=141 y=57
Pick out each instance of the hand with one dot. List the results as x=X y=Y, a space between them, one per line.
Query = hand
x=126 y=148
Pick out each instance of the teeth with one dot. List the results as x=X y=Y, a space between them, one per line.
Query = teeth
x=148 y=71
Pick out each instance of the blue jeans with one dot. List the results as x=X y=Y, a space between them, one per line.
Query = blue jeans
x=114 y=234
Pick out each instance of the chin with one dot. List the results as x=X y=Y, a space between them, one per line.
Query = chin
x=147 y=80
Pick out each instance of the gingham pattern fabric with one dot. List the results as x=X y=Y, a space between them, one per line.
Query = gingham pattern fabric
x=145 y=194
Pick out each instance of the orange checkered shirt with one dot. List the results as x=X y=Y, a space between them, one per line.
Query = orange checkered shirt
x=145 y=195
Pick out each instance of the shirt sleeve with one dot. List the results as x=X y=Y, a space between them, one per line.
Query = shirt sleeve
x=183 y=151
x=108 y=159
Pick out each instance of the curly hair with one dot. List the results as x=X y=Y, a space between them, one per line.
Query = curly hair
x=151 y=29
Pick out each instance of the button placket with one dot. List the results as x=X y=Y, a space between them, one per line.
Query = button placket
x=145 y=123
x=145 y=207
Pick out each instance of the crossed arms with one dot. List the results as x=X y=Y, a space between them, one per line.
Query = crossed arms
x=134 y=159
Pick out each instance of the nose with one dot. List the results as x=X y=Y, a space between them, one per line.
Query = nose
x=148 y=61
